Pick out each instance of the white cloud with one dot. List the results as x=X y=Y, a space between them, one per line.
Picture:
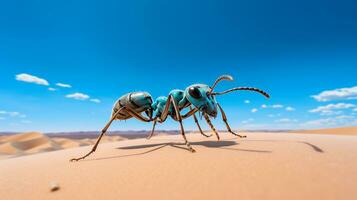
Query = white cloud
x=277 y=106
x=286 y=120
x=332 y=109
x=337 y=94
x=247 y=101
x=274 y=115
x=52 y=89
x=342 y=120
x=254 y=110
x=31 y=79
x=289 y=108
x=78 y=96
x=95 y=100
x=64 y=85
x=12 y=114
x=272 y=106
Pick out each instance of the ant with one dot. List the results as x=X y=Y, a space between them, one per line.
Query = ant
x=199 y=96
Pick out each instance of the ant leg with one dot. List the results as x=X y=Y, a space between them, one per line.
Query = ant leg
x=152 y=131
x=165 y=113
x=180 y=120
x=136 y=115
x=199 y=127
x=189 y=113
x=224 y=118
x=104 y=130
x=211 y=125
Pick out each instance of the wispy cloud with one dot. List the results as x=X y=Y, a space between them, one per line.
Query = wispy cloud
x=289 y=108
x=64 y=85
x=31 y=79
x=95 y=100
x=78 y=96
x=286 y=120
x=275 y=106
x=274 y=115
x=336 y=94
x=341 y=120
x=254 y=110
x=12 y=114
x=332 y=109
x=52 y=89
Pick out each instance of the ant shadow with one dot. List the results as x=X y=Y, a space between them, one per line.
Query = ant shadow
x=223 y=144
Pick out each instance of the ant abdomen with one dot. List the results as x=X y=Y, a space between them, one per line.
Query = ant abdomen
x=137 y=101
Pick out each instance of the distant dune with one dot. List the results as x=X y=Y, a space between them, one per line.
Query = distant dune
x=332 y=131
x=34 y=142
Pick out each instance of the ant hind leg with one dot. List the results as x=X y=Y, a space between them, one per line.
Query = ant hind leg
x=104 y=130
x=152 y=131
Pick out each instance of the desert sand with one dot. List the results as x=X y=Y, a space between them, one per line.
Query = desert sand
x=261 y=166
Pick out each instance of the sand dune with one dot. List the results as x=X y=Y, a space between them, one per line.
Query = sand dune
x=262 y=166
x=332 y=131
x=34 y=142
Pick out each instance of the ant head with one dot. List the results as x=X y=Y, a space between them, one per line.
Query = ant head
x=203 y=97
x=200 y=96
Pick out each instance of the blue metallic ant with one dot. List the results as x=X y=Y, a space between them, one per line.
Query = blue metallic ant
x=197 y=98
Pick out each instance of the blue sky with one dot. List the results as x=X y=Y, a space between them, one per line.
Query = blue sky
x=103 y=49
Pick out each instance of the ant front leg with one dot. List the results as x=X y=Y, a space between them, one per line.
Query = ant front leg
x=211 y=125
x=224 y=118
x=192 y=112
x=199 y=127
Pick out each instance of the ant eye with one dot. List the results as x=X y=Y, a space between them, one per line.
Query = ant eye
x=194 y=92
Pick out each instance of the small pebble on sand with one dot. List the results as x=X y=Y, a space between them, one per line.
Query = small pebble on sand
x=54 y=186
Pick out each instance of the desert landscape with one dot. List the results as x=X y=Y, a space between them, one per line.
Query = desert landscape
x=283 y=73
x=262 y=166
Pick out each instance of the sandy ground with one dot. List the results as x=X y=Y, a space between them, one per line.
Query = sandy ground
x=262 y=166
